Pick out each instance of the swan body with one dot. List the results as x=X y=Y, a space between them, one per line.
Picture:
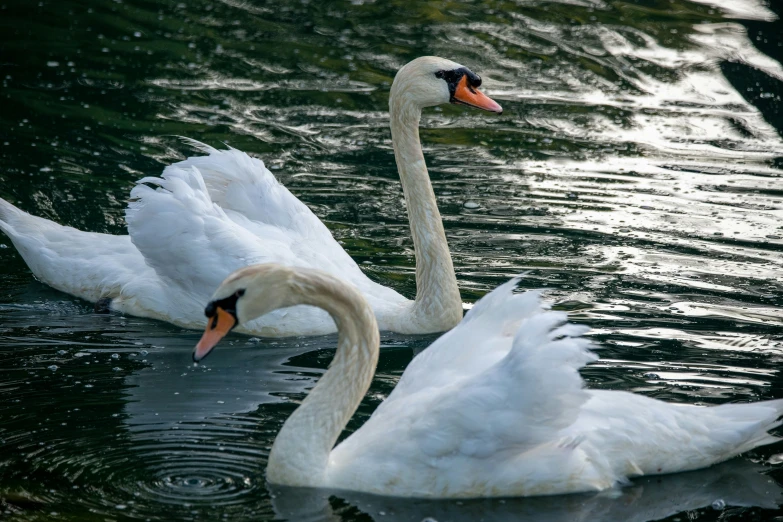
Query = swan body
x=738 y=482
x=495 y=407
x=210 y=215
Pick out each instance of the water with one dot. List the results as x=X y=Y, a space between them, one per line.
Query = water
x=635 y=173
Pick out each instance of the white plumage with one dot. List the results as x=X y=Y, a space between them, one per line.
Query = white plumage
x=495 y=407
x=182 y=243
x=210 y=215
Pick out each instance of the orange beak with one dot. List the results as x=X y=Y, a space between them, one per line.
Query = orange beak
x=218 y=326
x=467 y=95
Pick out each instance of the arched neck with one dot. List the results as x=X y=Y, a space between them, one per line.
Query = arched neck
x=300 y=453
x=438 y=304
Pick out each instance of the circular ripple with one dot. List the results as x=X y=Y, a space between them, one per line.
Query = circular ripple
x=201 y=477
x=151 y=476
x=210 y=465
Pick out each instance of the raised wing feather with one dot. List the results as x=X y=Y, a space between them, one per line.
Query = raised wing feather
x=189 y=241
x=193 y=245
x=250 y=195
x=210 y=215
x=511 y=386
x=482 y=339
x=237 y=182
x=522 y=399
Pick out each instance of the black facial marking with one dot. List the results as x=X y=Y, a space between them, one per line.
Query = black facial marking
x=453 y=77
x=229 y=304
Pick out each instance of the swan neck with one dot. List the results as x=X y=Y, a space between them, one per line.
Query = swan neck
x=438 y=303
x=300 y=453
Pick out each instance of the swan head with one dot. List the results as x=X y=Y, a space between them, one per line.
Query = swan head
x=430 y=80
x=245 y=294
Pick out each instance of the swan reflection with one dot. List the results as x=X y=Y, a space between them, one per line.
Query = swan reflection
x=737 y=483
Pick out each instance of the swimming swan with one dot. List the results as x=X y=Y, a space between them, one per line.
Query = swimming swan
x=495 y=407
x=210 y=215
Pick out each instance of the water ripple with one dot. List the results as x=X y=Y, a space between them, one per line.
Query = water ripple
x=634 y=175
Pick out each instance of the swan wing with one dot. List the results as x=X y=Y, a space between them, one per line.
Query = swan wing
x=193 y=244
x=239 y=183
x=188 y=240
x=483 y=430
x=228 y=206
x=523 y=399
x=478 y=342
x=254 y=199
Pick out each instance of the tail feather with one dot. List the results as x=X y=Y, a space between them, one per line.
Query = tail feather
x=9 y=214
x=747 y=426
x=25 y=230
x=85 y=264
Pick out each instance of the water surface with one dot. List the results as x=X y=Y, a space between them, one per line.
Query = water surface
x=635 y=174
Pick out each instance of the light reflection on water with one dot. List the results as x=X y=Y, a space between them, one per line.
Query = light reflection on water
x=634 y=174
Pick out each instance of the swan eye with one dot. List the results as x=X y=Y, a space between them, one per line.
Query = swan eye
x=453 y=77
x=227 y=304
x=473 y=79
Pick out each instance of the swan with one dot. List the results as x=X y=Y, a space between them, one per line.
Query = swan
x=495 y=407
x=209 y=215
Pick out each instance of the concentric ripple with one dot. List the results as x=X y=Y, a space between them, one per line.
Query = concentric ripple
x=200 y=472
x=123 y=424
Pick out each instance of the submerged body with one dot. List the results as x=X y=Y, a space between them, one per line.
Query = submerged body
x=495 y=407
x=210 y=215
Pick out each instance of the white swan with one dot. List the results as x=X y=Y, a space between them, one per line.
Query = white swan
x=495 y=407
x=213 y=214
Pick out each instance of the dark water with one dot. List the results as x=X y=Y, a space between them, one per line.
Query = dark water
x=635 y=173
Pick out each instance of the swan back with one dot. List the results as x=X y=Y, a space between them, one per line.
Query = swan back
x=502 y=384
x=497 y=407
x=209 y=215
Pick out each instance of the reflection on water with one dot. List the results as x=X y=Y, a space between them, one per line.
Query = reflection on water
x=734 y=483
x=634 y=174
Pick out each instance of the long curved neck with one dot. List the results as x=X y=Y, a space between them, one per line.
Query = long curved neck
x=300 y=453
x=438 y=302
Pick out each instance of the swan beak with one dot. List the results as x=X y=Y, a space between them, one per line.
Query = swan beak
x=218 y=326
x=467 y=95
